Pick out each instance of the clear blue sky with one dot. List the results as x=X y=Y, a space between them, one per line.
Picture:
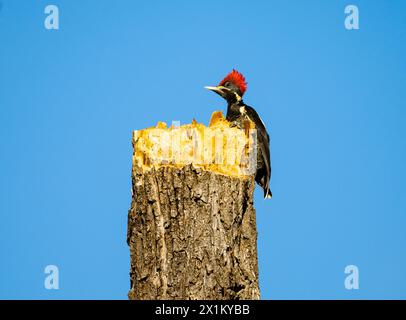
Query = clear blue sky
x=333 y=101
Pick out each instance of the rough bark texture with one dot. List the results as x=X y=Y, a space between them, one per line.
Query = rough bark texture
x=192 y=235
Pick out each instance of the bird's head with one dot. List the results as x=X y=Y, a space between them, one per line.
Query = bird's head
x=232 y=87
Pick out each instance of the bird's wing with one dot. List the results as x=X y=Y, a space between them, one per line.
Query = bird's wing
x=263 y=139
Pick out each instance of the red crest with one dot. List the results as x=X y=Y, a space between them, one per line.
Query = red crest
x=237 y=79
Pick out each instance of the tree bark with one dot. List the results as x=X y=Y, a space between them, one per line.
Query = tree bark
x=192 y=234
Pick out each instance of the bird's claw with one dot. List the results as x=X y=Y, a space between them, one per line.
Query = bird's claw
x=233 y=124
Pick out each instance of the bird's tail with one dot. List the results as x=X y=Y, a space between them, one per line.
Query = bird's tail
x=267 y=193
x=264 y=184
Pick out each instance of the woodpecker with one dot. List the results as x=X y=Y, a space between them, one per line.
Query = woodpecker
x=232 y=89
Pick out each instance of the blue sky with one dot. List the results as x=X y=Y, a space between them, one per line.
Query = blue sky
x=333 y=101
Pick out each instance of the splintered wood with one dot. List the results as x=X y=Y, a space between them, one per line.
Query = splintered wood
x=218 y=147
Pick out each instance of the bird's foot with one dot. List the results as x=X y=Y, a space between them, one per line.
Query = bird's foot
x=233 y=124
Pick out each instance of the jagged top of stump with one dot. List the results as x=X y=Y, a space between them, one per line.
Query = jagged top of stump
x=217 y=147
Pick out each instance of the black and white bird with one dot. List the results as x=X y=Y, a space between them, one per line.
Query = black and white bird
x=232 y=89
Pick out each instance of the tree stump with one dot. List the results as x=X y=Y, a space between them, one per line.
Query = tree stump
x=191 y=227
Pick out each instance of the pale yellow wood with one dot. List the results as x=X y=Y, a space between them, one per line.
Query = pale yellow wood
x=217 y=147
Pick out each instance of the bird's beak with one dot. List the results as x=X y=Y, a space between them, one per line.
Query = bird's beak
x=215 y=89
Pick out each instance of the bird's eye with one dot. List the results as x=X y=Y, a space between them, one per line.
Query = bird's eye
x=227 y=84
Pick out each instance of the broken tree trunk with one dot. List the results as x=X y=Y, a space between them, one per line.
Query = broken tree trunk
x=191 y=227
